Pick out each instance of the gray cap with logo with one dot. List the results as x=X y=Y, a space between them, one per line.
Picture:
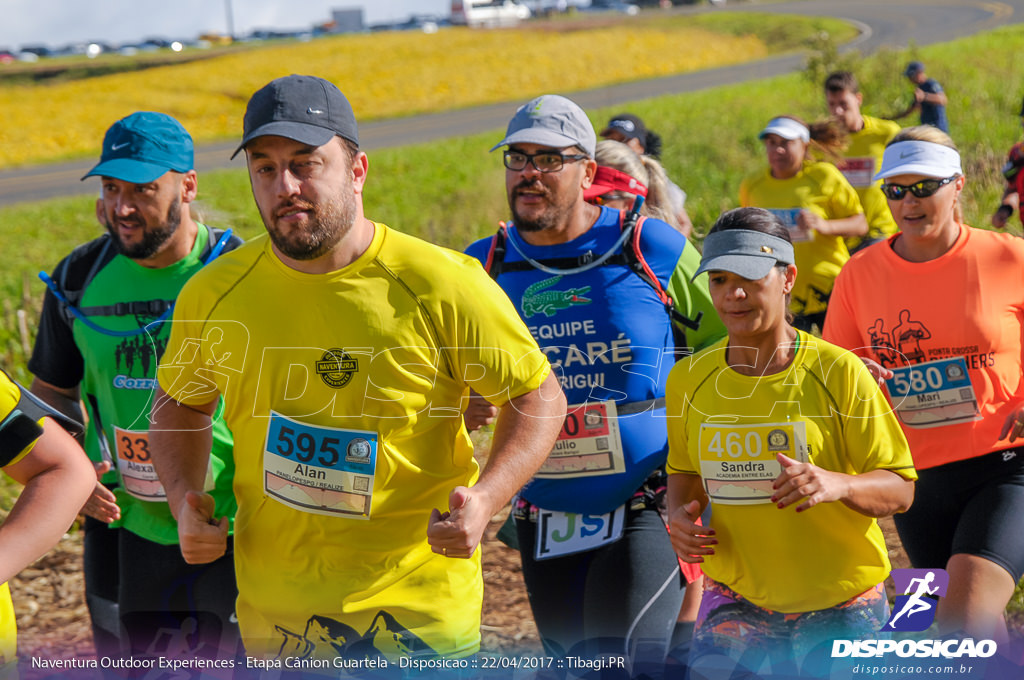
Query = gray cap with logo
x=308 y=109
x=551 y=120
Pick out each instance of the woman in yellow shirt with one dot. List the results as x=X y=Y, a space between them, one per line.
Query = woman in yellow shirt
x=814 y=201
x=793 y=444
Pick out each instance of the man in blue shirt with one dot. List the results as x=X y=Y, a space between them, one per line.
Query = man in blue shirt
x=929 y=98
x=596 y=557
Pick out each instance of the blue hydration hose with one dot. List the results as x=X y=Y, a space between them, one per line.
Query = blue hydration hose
x=52 y=285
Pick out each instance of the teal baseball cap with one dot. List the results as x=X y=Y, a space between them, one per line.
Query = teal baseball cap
x=143 y=147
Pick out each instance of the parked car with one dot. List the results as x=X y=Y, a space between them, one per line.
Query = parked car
x=38 y=50
x=488 y=13
x=614 y=6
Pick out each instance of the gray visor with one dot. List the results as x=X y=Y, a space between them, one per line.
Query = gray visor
x=746 y=253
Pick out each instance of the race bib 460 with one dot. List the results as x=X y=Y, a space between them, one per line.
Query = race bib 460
x=737 y=462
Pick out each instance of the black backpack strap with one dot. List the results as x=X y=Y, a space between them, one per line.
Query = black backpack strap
x=36 y=408
x=563 y=262
x=495 y=263
x=138 y=307
x=17 y=431
x=73 y=283
x=630 y=222
x=20 y=427
x=213 y=237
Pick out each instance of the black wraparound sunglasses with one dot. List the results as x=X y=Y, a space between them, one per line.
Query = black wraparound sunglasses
x=922 y=189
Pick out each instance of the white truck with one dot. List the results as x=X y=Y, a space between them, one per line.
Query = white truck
x=488 y=13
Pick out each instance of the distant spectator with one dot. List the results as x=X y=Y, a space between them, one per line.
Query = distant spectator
x=1014 y=182
x=929 y=98
x=630 y=129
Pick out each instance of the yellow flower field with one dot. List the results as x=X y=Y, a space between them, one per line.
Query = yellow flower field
x=383 y=74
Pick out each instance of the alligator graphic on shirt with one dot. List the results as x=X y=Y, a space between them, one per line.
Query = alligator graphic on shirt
x=538 y=300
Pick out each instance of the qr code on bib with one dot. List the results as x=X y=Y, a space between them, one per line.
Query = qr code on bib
x=602 y=443
x=965 y=393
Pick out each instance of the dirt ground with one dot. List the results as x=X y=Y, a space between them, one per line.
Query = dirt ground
x=53 y=621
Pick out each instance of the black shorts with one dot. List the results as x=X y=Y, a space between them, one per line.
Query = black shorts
x=972 y=507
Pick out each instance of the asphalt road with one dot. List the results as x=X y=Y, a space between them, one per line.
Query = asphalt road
x=882 y=23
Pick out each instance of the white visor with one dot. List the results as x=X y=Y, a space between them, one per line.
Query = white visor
x=919 y=158
x=787 y=128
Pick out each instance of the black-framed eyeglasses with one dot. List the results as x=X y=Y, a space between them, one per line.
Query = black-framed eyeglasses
x=922 y=189
x=544 y=161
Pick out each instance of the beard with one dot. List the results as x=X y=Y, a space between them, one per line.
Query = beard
x=549 y=217
x=328 y=224
x=153 y=238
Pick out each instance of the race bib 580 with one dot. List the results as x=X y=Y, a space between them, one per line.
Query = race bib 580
x=933 y=393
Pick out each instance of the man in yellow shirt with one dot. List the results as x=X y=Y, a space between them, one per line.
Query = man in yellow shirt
x=863 y=156
x=343 y=350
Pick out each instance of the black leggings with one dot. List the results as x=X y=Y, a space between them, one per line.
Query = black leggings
x=629 y=591
x=145 y=600
x=171 y=608
x=972 y=507
x=100 y=566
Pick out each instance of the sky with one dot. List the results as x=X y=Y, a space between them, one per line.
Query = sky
x=118 y=21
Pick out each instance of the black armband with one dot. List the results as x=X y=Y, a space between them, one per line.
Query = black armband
x=17 y=432
x=36 y=408
x=21 y=426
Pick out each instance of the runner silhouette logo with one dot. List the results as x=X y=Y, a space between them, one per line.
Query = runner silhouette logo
x=914 y=610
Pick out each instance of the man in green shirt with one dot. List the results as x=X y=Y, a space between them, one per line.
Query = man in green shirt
x=101 y=334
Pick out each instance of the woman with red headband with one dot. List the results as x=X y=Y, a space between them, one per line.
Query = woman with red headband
x=631 y=131
x=622 y=175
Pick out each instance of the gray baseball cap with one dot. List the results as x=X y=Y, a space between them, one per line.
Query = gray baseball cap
x=308 y=109
x=551 y=120
x=747 y=253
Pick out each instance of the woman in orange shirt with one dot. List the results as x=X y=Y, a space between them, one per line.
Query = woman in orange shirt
x=940 y=306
